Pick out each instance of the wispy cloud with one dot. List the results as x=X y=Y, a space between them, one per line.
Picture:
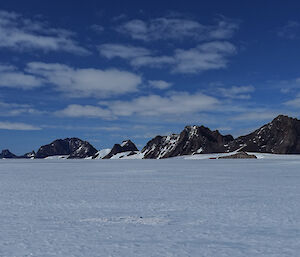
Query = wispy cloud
x=88 y=111
x=206 y=56
x=87 y=82
x=160 y=84
x=295 y=103
x=97 y=28
x=236 y=92
x=290 y=30
x=13 y=109
x=12 y=77
x=173 y=103
x=123 y=51
x=20 y=33
x=17 y=126
x=178 y=28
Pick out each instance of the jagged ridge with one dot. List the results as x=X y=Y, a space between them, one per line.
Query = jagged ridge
x=126 y=146
x=193 y=139
x=280 y=136
x=73 y=147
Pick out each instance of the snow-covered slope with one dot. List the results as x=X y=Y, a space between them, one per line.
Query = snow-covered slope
x=100 y=154
x=128 y=155
x=171 y=207
x=57 y=157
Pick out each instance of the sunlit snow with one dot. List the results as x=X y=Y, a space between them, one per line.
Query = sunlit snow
x=172 y=207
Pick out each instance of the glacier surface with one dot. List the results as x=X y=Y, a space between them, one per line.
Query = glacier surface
x=171 y=207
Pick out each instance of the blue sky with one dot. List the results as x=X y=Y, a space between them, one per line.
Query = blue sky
x=106 y=71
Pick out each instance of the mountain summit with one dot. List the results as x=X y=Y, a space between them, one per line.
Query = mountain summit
x=126 y=146
x=193 y=139
x=280 y=136
x=73 y=147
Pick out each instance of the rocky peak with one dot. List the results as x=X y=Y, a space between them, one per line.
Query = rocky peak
x=29 y=155
x=281 y=136
x=192 y=140
x=74 y=147
x=126 y=146
x=7 y=154
x=160 y=146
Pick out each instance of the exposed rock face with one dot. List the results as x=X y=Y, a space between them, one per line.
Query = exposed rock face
x=74 y=147
x=191 y=140
x=281 y=136
x=126 y=146
x=28 y=155
x=160 y=146
x=6 y=154
x=240 y=155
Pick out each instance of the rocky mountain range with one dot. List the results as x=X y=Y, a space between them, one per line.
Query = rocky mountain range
x=191 y=140
x=74 y=148
x=280 y=136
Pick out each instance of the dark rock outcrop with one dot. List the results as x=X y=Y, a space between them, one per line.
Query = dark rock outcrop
x=192 y=140
x=74 y=147
x=28 y=155
x=280 y=136
x=126 y=146
x=6 y=154
x=239 y=155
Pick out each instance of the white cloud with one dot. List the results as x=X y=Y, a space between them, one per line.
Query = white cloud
x=17 y=126
x=236 y=92
x=293 y=103
x=177 y=28
x=122 y=51
x=86 y=82
x=160 y=84
x=75 y=111
x=11 y=77
x=13 y=109
x=19 y=33
x=175 y=103
x=206 y=56
x=153 y=61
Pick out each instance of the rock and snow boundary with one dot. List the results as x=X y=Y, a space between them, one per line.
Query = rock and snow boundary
x=280 y=136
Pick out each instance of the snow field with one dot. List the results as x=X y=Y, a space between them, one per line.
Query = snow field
x=173 y=207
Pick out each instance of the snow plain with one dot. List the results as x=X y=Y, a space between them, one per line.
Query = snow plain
x=172 y=207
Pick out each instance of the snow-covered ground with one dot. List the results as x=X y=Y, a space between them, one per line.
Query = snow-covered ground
x=173 y=207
